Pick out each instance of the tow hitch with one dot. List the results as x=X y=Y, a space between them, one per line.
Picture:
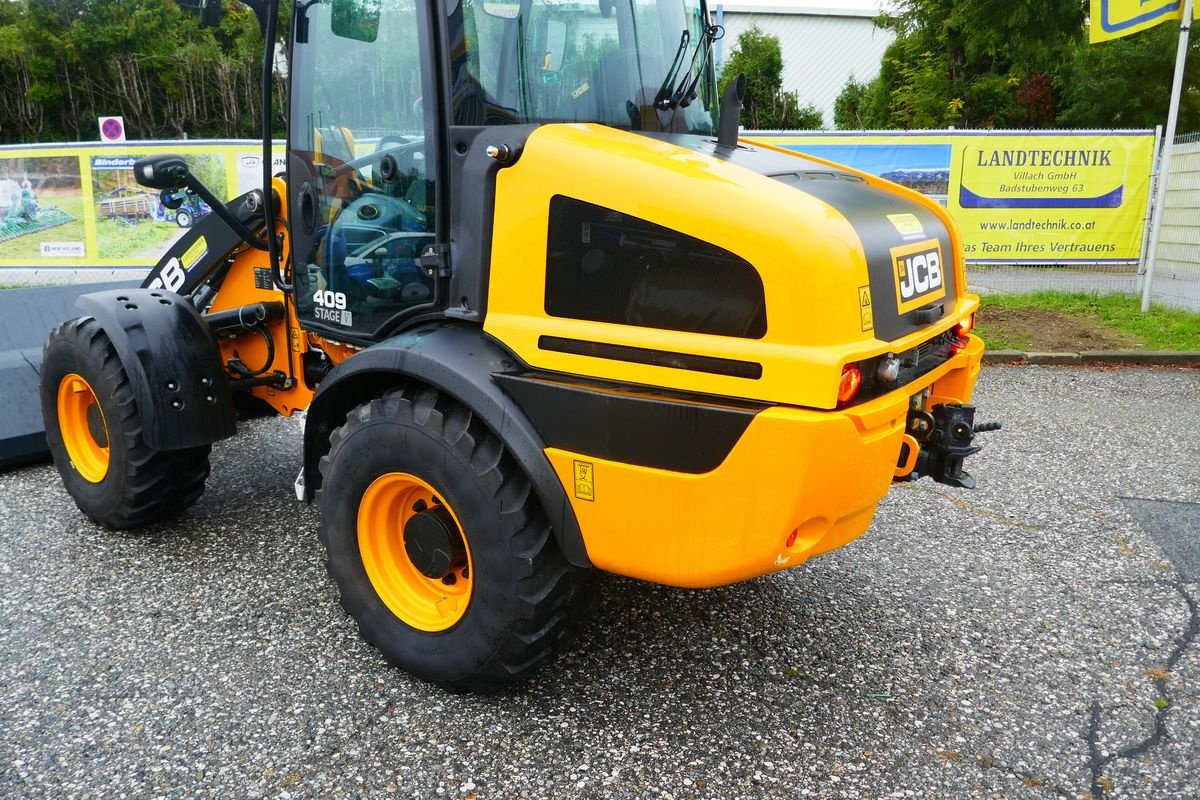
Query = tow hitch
x=936 y=444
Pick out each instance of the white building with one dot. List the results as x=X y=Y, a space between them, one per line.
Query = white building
x=824 y=42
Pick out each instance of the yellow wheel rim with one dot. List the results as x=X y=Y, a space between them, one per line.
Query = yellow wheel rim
x=83 y=427
x=420 y=601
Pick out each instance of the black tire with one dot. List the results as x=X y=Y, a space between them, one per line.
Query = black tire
x=526 y=600
x=141 y=485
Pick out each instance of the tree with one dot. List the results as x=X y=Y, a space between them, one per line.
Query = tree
x=66 y=62
x=986 y=63
x=848 y=111
x=1126 y=83
x=766 y=106
x=1000 y=64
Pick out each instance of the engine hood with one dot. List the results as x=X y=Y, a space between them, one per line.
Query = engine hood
x=846 y=263
x=890 y=223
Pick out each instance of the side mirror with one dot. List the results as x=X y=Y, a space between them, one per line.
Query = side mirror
x=549 y=44
x=169 y=172
x=165 y=171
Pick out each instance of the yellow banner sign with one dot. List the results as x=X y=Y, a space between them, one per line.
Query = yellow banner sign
x=1112 y=19
x=1047 y=198
x=1038 y=197
x=78 y=206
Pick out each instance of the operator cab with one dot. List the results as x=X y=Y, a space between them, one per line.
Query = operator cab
x=367 y=168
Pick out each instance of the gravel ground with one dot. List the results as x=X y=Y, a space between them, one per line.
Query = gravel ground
x=1008 y=642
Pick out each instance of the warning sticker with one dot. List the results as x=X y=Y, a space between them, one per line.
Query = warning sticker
x=585 y=481
x=194 y=253
x=907 y=225
x=864 y=308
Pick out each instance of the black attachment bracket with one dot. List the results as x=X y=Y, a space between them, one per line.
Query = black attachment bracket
x=946 y=438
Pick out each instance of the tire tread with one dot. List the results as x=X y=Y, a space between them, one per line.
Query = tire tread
x=553 y=596
x=156 y=484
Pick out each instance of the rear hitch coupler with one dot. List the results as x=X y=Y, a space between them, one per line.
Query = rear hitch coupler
x=946 y=437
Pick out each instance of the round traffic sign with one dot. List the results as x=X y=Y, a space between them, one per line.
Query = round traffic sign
x=111 y=129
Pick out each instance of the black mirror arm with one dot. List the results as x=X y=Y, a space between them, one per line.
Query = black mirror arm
x=169 y=172
x=222 y=211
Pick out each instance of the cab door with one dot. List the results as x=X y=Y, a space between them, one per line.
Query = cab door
x=362 y=165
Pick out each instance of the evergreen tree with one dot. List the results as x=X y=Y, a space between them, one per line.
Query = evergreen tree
x=68 y=62
x=1005 y=64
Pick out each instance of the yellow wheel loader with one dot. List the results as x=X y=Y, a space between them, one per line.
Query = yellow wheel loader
x=546 y=315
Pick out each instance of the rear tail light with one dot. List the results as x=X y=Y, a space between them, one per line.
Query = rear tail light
x=965 y=326
x=850 y=384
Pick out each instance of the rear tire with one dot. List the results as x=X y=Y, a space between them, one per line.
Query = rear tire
x=94 y=431
x=414 y=450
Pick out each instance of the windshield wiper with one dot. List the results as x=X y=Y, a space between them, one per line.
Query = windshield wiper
x=685 y=93
x=661 y=100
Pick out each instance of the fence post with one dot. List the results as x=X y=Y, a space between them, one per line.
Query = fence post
x=1185 y=28
x=1154 y=179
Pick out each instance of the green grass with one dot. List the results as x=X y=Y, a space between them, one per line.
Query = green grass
x=1161 y=328
x=1001 y=341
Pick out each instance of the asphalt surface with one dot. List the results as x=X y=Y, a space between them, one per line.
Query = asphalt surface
x=1026 y=639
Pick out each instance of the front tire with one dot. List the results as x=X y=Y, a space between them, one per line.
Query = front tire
x=439 y=547
x=94 y=432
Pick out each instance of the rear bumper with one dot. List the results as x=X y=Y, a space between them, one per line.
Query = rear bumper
x=820 y=474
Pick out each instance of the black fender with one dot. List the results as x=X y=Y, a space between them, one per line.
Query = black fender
x=172 y=362
x=460 y=360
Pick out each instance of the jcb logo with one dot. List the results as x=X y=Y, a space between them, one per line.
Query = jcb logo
x=919 y=276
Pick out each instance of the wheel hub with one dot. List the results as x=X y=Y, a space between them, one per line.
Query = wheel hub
x=95 y=423
x=414 y=552
x=433 y=543
x=83 y=428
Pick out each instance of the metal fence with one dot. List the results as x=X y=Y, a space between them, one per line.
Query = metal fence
x=1097 y=278
x=1176 y=280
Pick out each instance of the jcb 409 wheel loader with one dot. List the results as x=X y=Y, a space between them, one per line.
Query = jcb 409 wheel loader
x=546 y=315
